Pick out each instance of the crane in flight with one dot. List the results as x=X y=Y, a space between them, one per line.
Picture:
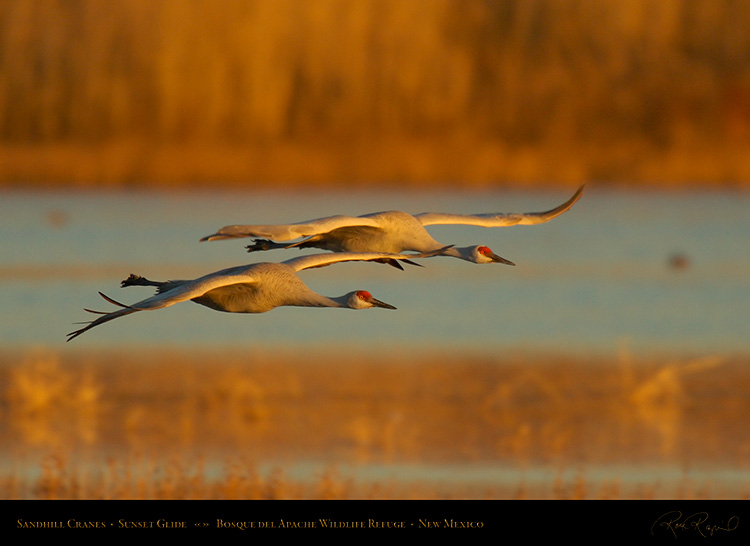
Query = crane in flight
x=254 y=288
x=390 y=232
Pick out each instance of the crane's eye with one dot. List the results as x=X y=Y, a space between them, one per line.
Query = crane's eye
x=364 y=295
x=484 y=250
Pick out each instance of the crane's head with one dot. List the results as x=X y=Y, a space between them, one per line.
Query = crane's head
x=480 y=255
x=362 y=299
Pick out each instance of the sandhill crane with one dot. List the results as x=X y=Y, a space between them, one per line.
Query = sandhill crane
x=254 y=288
x=391 y=232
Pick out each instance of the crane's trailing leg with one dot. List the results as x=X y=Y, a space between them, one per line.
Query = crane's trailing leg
x=265 y=244
x=161 y=286
x=137 y=280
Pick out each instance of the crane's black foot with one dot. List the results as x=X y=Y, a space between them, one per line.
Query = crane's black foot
x=137 y=280
x=260 y=244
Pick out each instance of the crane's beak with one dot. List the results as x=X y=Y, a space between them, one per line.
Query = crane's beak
x=498 y=259
x=378 y=303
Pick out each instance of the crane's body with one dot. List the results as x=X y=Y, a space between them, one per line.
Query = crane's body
x=255 y=288
x=272 y=285
x=389 y=231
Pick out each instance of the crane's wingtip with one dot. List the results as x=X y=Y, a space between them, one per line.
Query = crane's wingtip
x=114 y=302
x=576 y=196
x=72 y=335
x=215 y=237
x=227 y=232
x=95 y=312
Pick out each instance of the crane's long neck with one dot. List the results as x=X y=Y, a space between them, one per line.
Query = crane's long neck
x=340 y=301
x=313 y=299
x=463 y=253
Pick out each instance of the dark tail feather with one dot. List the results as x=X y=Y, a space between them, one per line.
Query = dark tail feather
x=391 y=262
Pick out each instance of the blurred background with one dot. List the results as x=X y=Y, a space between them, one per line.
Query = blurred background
x=250 y=93
x=611 y=362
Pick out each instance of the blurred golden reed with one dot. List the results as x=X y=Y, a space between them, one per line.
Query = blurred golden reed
x=249 y=92
x=186 y=425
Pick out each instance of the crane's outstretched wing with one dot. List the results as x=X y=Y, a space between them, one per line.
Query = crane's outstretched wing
x=181 y=291
x=498 y=219
x=106 y=317
x=289 y=232
x=328 y=258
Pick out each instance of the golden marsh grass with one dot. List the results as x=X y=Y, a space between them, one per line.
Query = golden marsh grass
x=179 y=425
x=330 y=91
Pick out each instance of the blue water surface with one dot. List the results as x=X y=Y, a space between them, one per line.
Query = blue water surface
x=601 y=276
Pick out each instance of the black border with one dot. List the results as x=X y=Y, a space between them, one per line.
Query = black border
x=661 y=520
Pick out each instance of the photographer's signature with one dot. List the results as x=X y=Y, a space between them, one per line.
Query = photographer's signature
x=674 y=522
